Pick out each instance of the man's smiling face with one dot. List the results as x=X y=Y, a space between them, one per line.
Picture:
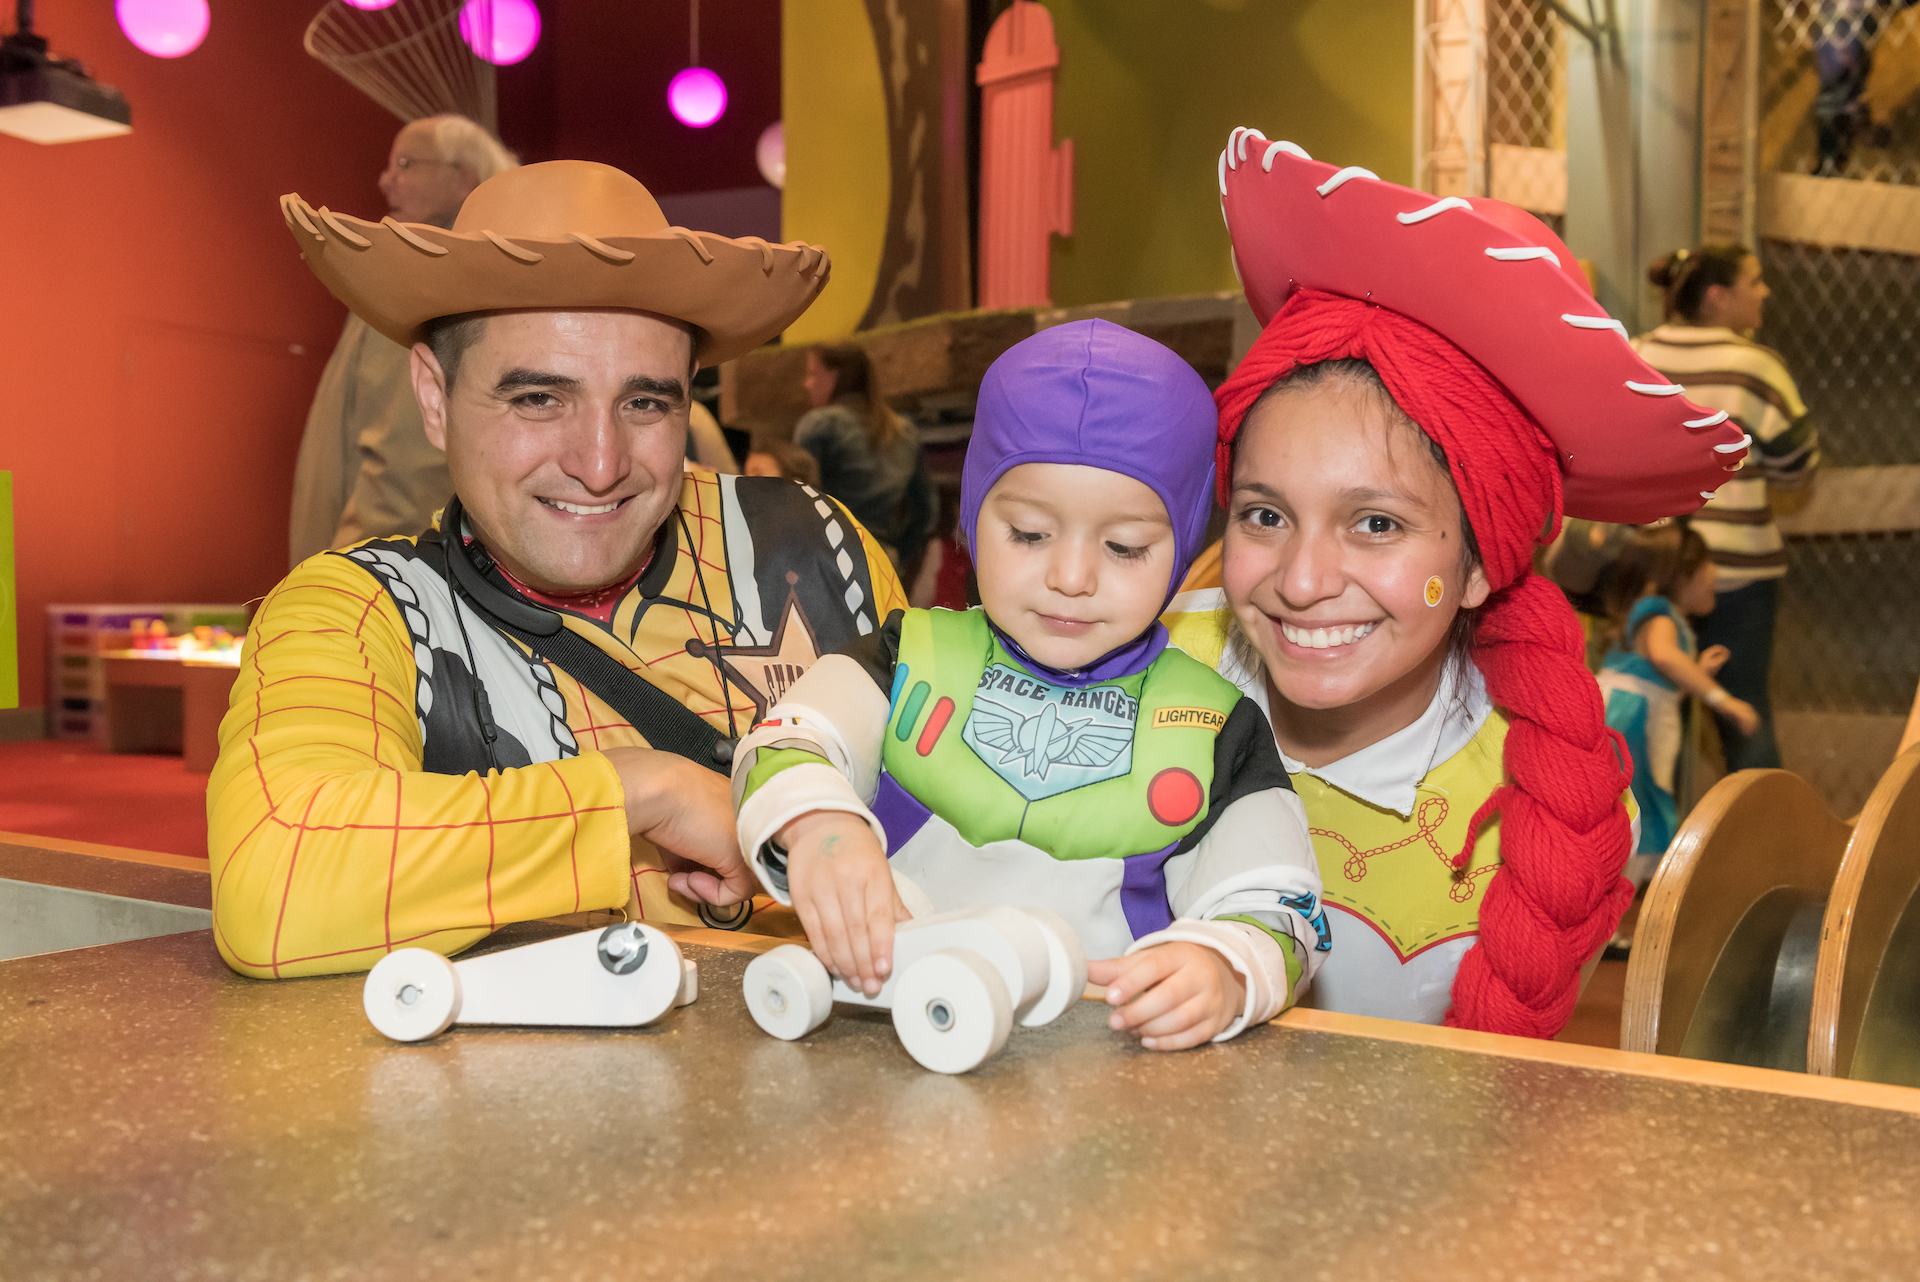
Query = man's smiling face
x=565 y=433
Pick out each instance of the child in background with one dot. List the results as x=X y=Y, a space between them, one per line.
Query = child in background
x=1663 y=574
x=1049 y=749
x=774 y=457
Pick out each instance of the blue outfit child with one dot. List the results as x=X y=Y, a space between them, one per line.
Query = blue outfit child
x=1645 y=708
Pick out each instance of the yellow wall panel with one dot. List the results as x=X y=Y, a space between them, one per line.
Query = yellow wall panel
x=1149 y=91
x=835 y=117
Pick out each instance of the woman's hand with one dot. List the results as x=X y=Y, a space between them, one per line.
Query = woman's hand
x=842 y=888
x=1171 y=996
x=1714 y=658
x=687 y=811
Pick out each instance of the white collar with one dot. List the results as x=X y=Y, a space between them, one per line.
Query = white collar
x=1388 y=773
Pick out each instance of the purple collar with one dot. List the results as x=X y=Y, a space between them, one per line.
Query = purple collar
x=1124 y=661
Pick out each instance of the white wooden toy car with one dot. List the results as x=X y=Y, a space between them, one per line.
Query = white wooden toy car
x=960 y=981
x=620 y=977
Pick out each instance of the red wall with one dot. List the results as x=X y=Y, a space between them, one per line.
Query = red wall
x=159 y=337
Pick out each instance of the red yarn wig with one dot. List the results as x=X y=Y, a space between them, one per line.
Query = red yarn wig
x=1564 y=837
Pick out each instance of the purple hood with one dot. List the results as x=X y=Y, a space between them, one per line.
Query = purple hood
x=1098 y=395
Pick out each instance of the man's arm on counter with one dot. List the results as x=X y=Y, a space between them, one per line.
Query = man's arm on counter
x=330 y=846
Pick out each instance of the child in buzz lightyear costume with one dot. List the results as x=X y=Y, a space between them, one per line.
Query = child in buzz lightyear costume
x=1049 y=749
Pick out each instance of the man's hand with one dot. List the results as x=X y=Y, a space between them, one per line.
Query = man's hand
x=1714 y=658
x=1171 y=996
x=687 y=811
x=843 y=891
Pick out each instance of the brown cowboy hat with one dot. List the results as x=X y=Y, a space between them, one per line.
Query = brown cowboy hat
x=566 y=234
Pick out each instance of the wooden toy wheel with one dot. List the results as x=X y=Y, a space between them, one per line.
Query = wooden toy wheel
x=1066 y=969
x=788 y=992
x=952 y=1011
x=412 y=994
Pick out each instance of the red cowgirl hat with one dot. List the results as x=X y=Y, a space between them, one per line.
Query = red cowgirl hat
x=1503 y=289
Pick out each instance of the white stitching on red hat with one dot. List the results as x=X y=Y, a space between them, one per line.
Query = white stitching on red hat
x=1524 y=253
x=1438 y=206
x=1342 y=177
x=1711 y=420
x=1655 y=389
x=1594 y=322
x=1266 y=161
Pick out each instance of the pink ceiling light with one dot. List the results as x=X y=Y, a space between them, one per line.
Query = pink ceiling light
x=697 y=96
x=501 y=31
x=370 y=5
x=163 y=28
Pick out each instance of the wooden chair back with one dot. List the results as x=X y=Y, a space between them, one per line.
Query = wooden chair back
x=1866 y=999
x=1725 y=950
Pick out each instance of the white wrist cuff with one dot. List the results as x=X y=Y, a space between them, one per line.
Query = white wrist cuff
x=1251 y=952
x=795 y=791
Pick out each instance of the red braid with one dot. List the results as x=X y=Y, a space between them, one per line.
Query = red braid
x=1564 y=831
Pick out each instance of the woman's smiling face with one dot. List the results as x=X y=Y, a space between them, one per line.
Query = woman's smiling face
x=1340 y=518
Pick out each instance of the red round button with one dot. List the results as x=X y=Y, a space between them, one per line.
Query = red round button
x=1175 y=796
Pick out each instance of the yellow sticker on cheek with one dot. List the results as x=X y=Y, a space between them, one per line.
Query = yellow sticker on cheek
x=1435 y=590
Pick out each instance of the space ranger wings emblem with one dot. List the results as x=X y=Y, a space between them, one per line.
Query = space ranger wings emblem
x=1044 y=740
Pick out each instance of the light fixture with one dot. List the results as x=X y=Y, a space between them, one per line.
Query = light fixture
x=697 y=96
x=371 y=5
x=47 y=100
x=501 y=31
x=770 y=154
x=163 y=28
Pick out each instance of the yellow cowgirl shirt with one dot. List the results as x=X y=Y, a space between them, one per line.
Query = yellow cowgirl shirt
x=354 y=809
x=1385 y=824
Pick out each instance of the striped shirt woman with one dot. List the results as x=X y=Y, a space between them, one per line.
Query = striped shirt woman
x=1714 y=296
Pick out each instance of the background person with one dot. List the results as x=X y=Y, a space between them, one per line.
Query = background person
x=870 y=458
x=1661 y=575
x=366 y=469
x=1714 y=298
x=772 y=456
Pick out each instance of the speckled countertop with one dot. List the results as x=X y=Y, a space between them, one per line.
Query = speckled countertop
x=161 y=1117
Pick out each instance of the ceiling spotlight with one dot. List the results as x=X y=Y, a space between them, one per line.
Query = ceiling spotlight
x=697 y=96
x=501 y=31
x=163 y=28
x=46 y=99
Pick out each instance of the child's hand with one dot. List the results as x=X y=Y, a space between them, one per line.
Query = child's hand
x=843 y=891
x=1741 y=713
x=1171 y=996
x=1714 y=658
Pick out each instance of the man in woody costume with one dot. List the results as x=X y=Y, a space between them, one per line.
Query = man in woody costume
x=527 y=712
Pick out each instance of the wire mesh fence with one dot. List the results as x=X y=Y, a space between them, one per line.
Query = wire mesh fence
x=1526 y=107
x=1839 y=219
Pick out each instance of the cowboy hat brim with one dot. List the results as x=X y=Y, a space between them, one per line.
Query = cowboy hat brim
x=398 y=276
x=1499 y=285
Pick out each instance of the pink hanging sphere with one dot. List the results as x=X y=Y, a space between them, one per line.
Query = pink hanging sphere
x=697 y=97
x=515 y=29
x=163 y=28
x=371 y=4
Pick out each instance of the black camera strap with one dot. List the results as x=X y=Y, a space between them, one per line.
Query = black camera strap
x=668 y=724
